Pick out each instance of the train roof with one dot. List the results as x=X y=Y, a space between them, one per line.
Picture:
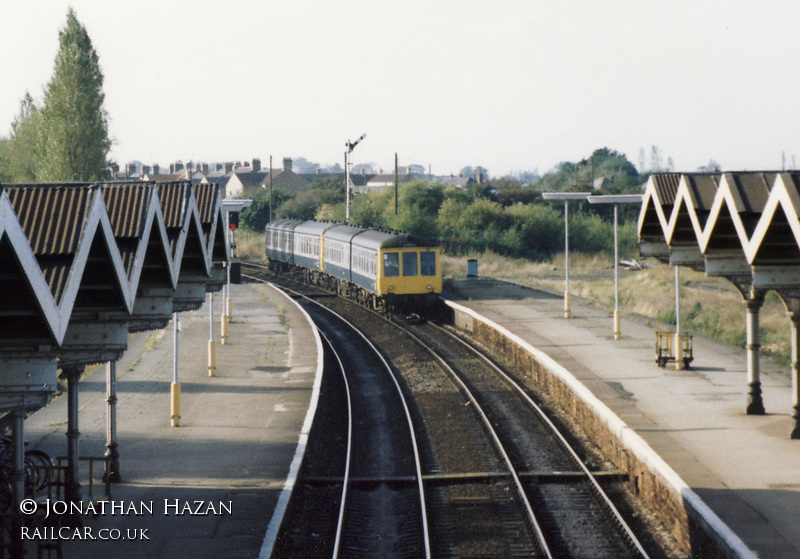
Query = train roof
x=284 y=224
x=314 y=227
x=343 y=233
x=391 y=239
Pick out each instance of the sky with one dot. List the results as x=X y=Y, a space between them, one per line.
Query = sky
x=508 y=85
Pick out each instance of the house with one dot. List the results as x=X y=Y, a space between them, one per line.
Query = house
x=244 y=178
x=239 y=182
x=287 y=180
x=384 y=180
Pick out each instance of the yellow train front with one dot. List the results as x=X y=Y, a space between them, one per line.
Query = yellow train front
x=384 y=270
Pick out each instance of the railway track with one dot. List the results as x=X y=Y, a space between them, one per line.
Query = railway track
x=499 y=481
x=570 y=511
x=381 y=505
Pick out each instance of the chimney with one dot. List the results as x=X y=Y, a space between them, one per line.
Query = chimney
x=205 y=168
x=145 y=169
x=156 y=168
x=287 y=164
x=228 y=167
x=256 y=165
x=171 y=168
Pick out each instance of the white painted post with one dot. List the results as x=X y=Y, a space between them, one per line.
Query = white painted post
x=678 y=349
x=212 y=353
x=617 y=332
x=567 y=312
x=175 y=387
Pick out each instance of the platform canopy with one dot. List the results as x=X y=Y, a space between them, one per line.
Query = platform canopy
x=84 y=264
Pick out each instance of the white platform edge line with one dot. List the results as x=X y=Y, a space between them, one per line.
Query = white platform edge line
x=627 y=436
x=274 y=525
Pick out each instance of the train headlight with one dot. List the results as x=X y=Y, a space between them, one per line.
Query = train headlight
x=391 y=288
x=430 y=287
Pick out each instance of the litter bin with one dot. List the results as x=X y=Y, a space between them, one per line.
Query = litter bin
x=472 y=268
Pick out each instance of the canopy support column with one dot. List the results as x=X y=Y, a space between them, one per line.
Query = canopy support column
x=755 y=405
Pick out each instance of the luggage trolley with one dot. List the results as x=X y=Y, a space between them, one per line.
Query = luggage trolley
x=665 y=349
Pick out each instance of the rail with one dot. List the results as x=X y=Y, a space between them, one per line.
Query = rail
x=346 y=480
x=630 y=537
x=535 y=525
x=412 y=432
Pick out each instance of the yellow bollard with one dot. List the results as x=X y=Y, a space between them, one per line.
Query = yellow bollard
x=175 y=404
x=223 y=329
x=212 y=358
x=617 y=333
x=228 y=307
x=567 y=313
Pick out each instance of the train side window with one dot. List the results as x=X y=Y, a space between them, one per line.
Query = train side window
x=427 y=263
x=409 y=263
x=391 y=264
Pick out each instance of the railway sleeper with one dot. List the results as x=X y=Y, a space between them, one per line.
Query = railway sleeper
x=613 y=476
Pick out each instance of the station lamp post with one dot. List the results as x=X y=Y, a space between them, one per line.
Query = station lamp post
x=566 y=197
x=350 y=147
x=616 y=199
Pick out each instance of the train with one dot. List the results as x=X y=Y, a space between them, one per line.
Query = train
x=386 y=271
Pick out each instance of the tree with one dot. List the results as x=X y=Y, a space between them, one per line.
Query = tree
x=20 y=149
x=712 y=167
x=303 y=166
x=74 y=131
x=4 y=174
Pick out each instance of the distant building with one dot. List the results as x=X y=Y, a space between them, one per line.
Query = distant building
x=457 y=182
x=287 y=180
x=385 y=180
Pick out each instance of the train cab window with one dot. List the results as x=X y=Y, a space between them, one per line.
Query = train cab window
x=409 y=263
x=391 y=264
x=427 y=263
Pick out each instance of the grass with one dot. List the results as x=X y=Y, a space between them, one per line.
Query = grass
x=250 y=245
x=710 y=307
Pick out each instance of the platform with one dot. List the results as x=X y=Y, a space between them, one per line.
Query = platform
x=745 y=468
x=237 y=438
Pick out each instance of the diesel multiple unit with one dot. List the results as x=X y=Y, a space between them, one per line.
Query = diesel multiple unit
x=384 y=270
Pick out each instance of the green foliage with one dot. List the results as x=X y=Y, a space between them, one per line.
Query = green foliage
x=573 y=177
x=331 y=212
x=306 y=204
x=5 y=176
x=74 y=142
x=418 y=201
x=19 y=151
x=256 y=216
x=368 y=210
